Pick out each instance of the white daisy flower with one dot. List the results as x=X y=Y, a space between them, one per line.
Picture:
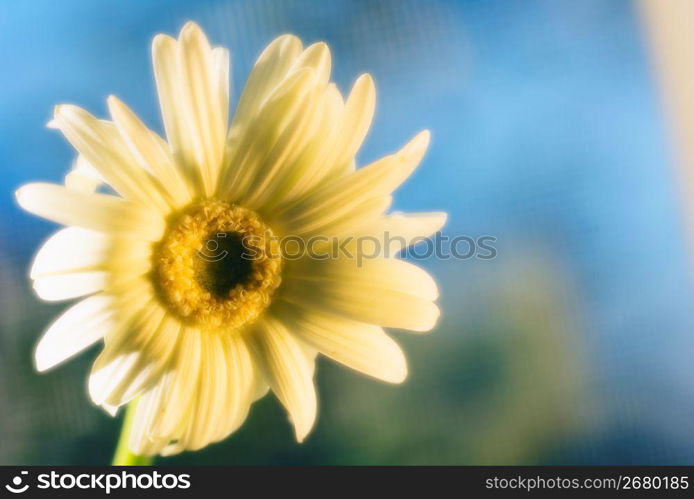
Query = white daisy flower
x=174 y=246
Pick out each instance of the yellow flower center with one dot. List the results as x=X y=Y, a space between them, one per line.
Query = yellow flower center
x=217 y=265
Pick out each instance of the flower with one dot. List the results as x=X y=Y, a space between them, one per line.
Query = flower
x=175 y=246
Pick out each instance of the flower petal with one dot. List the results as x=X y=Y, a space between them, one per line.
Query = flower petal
x=179 y=396
x=83 y=177
x=344 y=133
x=359 y=112
x=313 y=162
x=316 y=57
x=220 y=80
x=346 y=193
x=188 y=83
x=150 y=150
x=373 y=304
x=270 y=69
x=364 y=273
x=134 y=356
x=288 y=372
x=203 y=110
x=207 y=415
x=75 y=249
x=397 y=231
x=113 y=365
x=383 y=237
x=346 y=219
x=240 y=384
x=70 y=249
x=166 y=75
x=60 y=287
x=78 y=328
x=286 y=152
x=247 y=157
x=148 y=408
x=296 y=141
x=98 y=212
x=363 y=347
x=103 y=147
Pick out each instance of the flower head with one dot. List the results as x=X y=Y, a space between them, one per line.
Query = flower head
x=179 y=264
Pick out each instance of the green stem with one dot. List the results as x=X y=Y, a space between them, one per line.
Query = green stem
x=123 y=456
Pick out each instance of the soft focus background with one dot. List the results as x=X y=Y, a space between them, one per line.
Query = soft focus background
x=573 y=345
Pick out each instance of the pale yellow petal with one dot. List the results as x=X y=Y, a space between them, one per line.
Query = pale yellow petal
x=75 y=249
x=270 y=69
x=208 y=414
x=99 y=212
x=156 y=354
x=346 y=194
x=260 y=388
x=284 y=155
x=167 y=77
x=120 y=363
x=200 y=103
x=394 y=232
x=348 y=218
x=60 y=287
x=112 y=410
x=241 y=378
x=247 y=158
x=375 y=305
x=316 y=57
x=78 y=328
x=220 y=80
x=134 y=357
x=288 y=372
x=345 y=131
x=147 y=409
x=83 y=176
x=179 y=396
x=309 y=163
x=71 y=249
x=363 y=347
x=359 y=112
x=385 y=237
x=365 y=273
x=104 y=148
x=151 y=152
